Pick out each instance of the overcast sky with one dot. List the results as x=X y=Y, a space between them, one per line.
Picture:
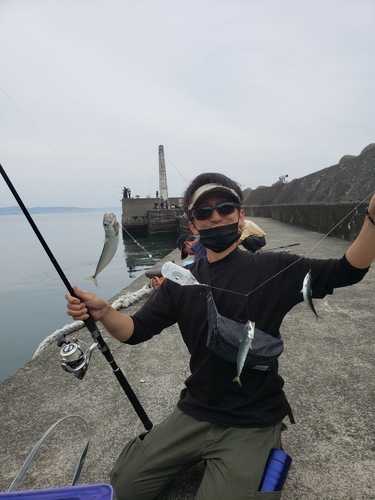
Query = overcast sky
x=89 y=89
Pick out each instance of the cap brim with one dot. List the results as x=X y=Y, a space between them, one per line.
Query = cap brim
x=210 y=188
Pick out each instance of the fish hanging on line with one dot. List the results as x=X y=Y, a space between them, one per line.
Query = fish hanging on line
x=111 y=231
x=245 y=345
x=307 y=294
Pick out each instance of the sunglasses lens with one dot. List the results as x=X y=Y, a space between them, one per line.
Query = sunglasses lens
x=203 y=213
x=226 y=208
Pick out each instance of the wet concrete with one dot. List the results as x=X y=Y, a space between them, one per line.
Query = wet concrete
x=328 y=366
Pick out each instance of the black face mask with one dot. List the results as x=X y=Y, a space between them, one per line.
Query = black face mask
x=218 y=239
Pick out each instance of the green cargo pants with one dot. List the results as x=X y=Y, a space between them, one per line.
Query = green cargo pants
x=235 y=459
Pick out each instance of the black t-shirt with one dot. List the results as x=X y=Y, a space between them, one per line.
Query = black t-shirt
x=259 y=287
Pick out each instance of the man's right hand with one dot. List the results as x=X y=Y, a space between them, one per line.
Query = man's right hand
x=78 y=307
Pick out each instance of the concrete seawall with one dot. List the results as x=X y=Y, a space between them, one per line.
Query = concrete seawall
x=328 y=367
x=342 y=220
x=138 y=213
x=334 y=197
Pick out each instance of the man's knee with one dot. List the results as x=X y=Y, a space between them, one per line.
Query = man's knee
x=124 y=472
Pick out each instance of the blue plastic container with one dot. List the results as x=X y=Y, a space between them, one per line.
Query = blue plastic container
x=80 y=492
x=277 y=468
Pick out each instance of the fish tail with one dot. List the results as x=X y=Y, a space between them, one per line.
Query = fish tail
x=92 y=278
x=237 y=379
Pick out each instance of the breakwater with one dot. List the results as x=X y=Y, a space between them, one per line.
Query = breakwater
x=331 y=200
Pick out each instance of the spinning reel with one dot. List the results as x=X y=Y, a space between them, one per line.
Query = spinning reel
x=73 y=357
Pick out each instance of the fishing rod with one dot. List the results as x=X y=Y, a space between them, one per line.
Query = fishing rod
x=285 y=247
x=72 y=348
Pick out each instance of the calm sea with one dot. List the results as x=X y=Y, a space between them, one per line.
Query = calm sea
x=32 y=303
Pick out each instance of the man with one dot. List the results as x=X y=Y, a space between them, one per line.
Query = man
x=252 y=237
x=189 y=244
x=283 y=178
x=231 y=427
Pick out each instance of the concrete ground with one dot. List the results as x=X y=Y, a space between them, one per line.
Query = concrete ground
x=328 y=366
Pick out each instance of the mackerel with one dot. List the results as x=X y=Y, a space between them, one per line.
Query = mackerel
x=244 y=349
x=111 y=231
x=307 y=294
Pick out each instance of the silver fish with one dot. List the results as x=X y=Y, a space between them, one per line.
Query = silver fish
x=307 y=293
x=244 y=348
x=111 y=231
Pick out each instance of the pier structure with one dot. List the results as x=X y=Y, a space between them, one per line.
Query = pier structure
x=157 y=215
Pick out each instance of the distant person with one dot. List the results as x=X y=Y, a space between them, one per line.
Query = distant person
x=156 y=206
x=189 y=244
x=252 y=237
x=157 y=194
x=125 y=192
x=282 y=178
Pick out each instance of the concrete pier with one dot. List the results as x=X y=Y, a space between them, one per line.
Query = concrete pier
x=139 y=213
x=328 y=367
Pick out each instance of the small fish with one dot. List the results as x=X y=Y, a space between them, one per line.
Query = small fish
x=111 y=230
x=307 y=293
x=244 y=348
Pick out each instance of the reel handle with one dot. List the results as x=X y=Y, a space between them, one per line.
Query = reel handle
x=61 y=340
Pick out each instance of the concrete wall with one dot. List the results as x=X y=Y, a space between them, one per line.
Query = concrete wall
x=161 y=221
x=342 y=220
x=352 y=179
x=135 y=213
x=330 y=200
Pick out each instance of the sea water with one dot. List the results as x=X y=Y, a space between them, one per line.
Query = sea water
x=32 y=303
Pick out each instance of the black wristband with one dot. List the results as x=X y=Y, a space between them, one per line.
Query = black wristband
x=369 y=217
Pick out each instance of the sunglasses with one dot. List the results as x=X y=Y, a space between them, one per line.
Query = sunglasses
x=225 y=208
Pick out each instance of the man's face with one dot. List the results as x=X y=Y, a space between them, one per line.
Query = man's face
x=212 y=200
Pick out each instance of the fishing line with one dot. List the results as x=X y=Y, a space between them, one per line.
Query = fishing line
x=137 y=242
x=71 y=169
x=313 y=248
x=49 y=144
x=187 y=182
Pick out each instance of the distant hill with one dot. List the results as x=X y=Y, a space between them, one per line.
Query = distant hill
x=48 y=210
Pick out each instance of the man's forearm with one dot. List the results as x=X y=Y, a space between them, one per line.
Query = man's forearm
x=120 y=326
x=362 y=251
